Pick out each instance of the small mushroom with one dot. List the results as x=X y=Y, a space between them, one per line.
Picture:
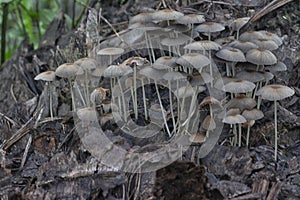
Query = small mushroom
x=49 y=77
x=237 y=24
x=209 y=27
x=275 y=93
x=251 y=115
x=69 y=71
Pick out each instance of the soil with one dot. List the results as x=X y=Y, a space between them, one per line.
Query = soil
x=45 y=159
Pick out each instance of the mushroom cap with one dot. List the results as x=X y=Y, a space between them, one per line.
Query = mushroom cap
x=231 y=54
x=208 y=123
x=209 y=27
x=191 y=19
x=234 y=119
x=253 y=114
x=149 y=26
x=87 y=114
x=141 y=17
x=266 y=44
x=278 y=67
x=46 y=76
x=166 y=14
x=242 y=102
x=219 y=84
x=164 y=62
x=261 y=57
x=86 y=63
x=268 y=76
x=250 y=75
x=203 y=45
x=179 y=28
x=251 y=36
x=238 y=23
x=67 y=70
x=233 y=111
x=275 y=92
x=271 y=36
x=193 y=60
x=210 y=100
x=239 y=86
x=117 y=71
x=244 y=46
x=110 y=51
x=99 y=94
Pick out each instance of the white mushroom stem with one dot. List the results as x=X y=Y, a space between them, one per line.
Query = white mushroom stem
x=135 y=93
x=49 y=84
x=162 y=108
x=227 y=69
x=235 y=135
x=248 y=135
x=210 y=67
x=240 y=134
x=171 y=106
x=80 y=94
x=144 y=100
x=123 y=100
x=211 y=111
x=276 y=134
x=86 y=88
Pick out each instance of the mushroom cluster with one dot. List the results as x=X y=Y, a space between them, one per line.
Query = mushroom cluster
x=181 y=56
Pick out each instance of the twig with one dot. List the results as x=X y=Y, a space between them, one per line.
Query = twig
x=26 y=151
x=8 y=119
x=269 y=8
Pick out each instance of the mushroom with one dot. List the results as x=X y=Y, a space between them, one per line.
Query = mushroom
x=251 y=115
x=49 y=77
x=232 y=55
x=233 y=119
x=193 y=60
x=261 y=57
x=266 y=44
x=213 y=104
x=251 y=35
x=204 y=45
x=244 y=46
x=87 y=64
x=110 y=51
x=68 y=70
x=275 y=93
x=237 y=24
x=166 y=15
x=208 y=125
x=114 y=72
x=191 y=19
x=209 y=27
x=242 y=102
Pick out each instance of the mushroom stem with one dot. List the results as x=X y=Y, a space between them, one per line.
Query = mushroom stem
x=210 y=67
x=135 y=93
x=144 y=100
x=276 y=134
x=171 y=106
x=123 y=101
x=235 y=135
x=50 y=100
x=240 y=135
x=162 y=108
x=248 y=135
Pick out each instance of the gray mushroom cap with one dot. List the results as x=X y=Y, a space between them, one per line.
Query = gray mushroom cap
x=46 y=76
x=239 y=86
x=231 y=54
x=67 y=70
x=261 y=57
x=275 y=92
